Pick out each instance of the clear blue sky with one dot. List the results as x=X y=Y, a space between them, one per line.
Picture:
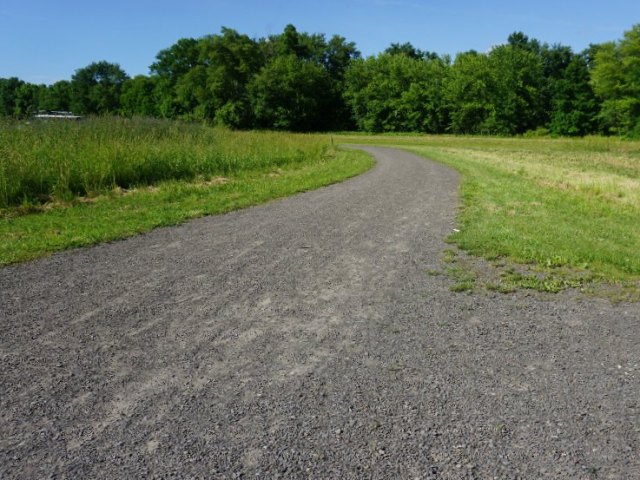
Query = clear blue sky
x=42 y=41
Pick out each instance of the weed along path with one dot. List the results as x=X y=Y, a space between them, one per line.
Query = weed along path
x=304 y=339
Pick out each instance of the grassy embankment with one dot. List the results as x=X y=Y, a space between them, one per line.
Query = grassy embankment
x=569 y=209
x=65 y=185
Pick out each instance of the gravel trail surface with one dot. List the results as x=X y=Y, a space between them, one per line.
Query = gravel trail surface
x=303 y=339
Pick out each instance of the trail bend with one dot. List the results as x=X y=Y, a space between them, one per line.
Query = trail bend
x=303 y=339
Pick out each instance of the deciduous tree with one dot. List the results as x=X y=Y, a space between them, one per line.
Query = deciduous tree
x=616 y=80
x=139 y=97
x=397 y=92
x=291 y=93
x=96 y=88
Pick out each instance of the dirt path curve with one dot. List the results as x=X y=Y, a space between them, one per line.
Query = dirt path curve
x=303 y=339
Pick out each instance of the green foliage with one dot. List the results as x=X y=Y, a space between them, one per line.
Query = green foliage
x=228 y=62
x=197 y=78
x=410 y=51
x=171 y=65
x=555 y=60
x=469 y=93
x=96 y=88
x=259 y=166
x=176 y=61
x=51 y=161
x=519 y=40
x=292 y=94
x=395 y=93
x=338 y=55
x=333 y=56
x=498 y=93
x=575 y=106
x=27 y=100
x=568 y=209
x=233 y=80
x=139 y=97
x=56 y=97
x=616 y=80
x=8 y=89
x=18 y=98
x=518 y=80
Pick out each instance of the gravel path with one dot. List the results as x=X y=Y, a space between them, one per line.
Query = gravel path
x=303 y=339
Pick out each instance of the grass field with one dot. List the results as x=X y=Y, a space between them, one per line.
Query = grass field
x=65 y=185
x=567 y=208
x=58 y=161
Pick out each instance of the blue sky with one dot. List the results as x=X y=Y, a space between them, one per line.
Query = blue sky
x=42 y=41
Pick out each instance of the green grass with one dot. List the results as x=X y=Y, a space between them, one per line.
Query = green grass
x=569 y=209
x=42 y=162
x=235 y=170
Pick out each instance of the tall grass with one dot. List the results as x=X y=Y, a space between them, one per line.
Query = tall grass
x=41 y=161
x=172 y=172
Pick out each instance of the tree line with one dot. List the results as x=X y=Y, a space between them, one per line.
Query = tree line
x=305 y=82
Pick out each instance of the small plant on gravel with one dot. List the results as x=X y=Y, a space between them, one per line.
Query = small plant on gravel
x=459 y=271
x=501 y=429
x=449 y=256
x=500 y=287
x=540 y=283
x=464 y=278
x=462 y=287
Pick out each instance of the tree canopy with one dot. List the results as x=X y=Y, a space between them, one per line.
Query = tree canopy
x=96 y=88
x=616 y=80
x=307 y=82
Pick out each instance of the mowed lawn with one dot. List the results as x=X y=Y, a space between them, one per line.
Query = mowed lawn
x=568 y=208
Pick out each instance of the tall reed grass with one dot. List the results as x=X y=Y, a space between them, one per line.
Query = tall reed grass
x=40 y=161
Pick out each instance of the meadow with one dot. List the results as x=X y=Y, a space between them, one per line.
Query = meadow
x=59 y=161
x=69 y=184
x=569 y=209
